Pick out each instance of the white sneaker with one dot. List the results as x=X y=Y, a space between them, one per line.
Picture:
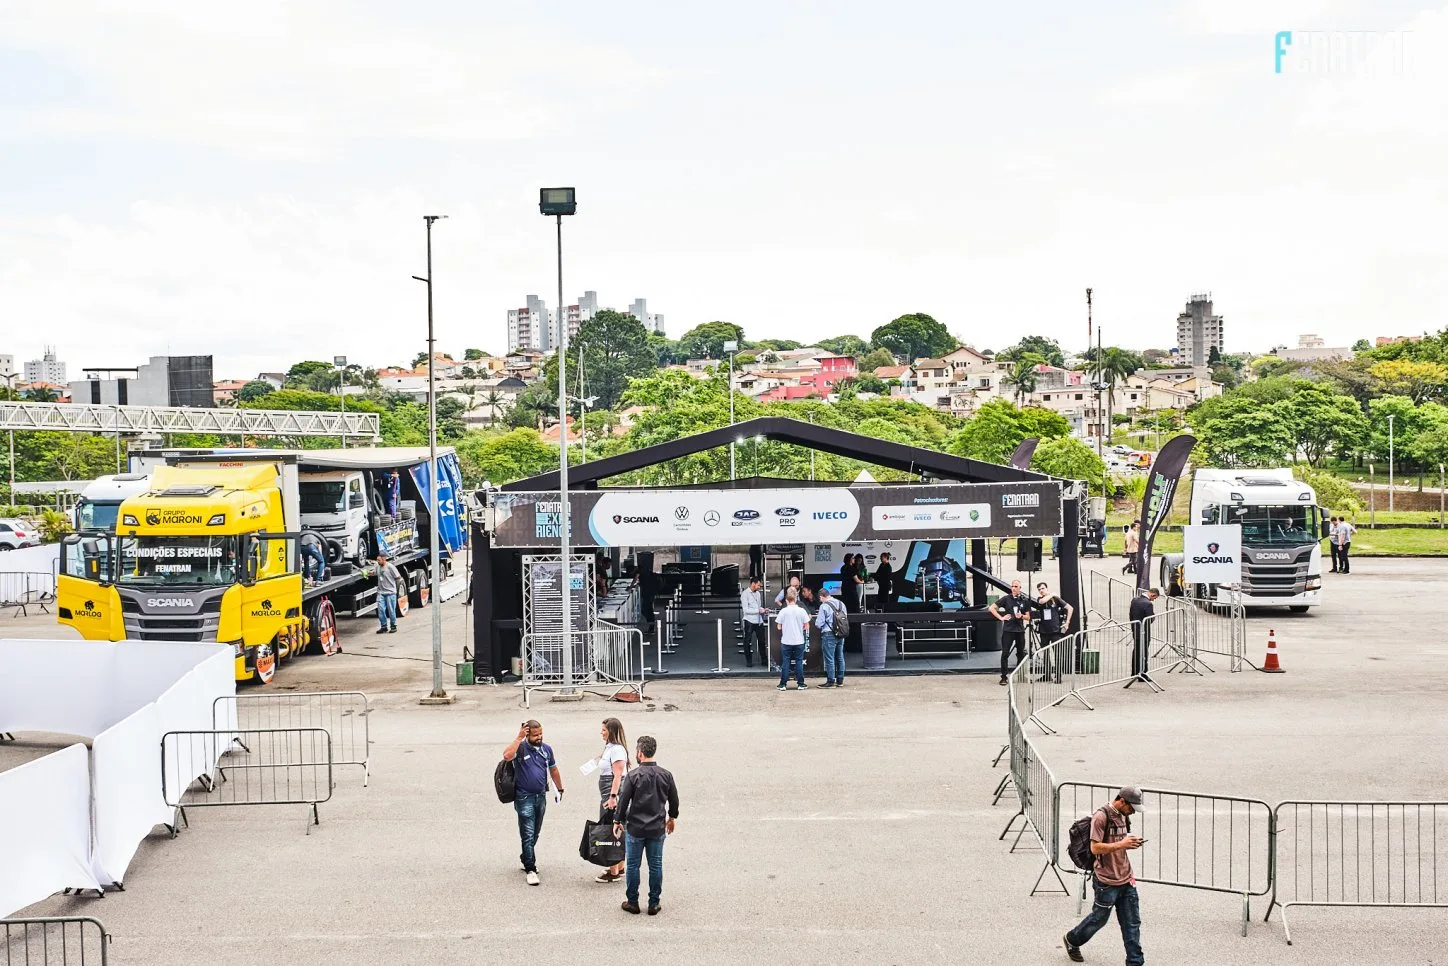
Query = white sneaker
x=532 y=878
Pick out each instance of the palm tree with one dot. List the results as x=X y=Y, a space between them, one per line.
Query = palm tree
x=492 y=402
x=1114 y=364
x=1024 y=376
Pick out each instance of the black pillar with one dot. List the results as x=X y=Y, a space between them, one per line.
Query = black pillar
x=1069 y=561
x=980 y=560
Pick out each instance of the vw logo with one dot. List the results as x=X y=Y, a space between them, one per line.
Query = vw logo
x=712 y=518
x=681 y=513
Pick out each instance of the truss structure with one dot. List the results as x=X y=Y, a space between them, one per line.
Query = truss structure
x=135 y=420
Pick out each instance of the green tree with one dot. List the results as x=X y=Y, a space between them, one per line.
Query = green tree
x=1419 y=381
x=845 y=345
x=1214 y=357
x=615 y=348
x=666 y=350
x=1048 y=349
x=504 y=457
x=1321 y=421
x=312 y=374
x=1430 y=444
x=869 y=382
x=777 y=345
x=874 y=359
x=473 y=355
x=995 y=430
x=535 y=404
x=1070 y=459
x=1361 y=345
x=707 y=341
x=41 y=394
x=1243 y=432
x=254 y=390
x=1406 y=422
x=1024 y=376
x=913 y=336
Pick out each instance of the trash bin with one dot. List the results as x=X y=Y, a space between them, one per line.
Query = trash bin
x=465 y=668
x=872 y=637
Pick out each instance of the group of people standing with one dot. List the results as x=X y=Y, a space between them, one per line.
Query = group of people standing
x=1339 y=541
x=1050 y=615
x=854 y=574
x=639 y=797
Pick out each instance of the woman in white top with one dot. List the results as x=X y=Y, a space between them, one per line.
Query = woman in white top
x=611 y=766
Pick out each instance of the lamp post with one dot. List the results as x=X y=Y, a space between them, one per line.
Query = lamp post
x=341 y=363
x=585 y=403
x=10 y=391
x=438 y=694
x=1390 y=462
x=731 y=347
x=559 y=202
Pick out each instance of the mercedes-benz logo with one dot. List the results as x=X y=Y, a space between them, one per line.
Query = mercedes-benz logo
x=711 y=518
x=681 y=513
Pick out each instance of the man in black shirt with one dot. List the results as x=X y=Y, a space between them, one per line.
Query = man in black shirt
x=885 y=581
x=1054 y=617
x=1013 y=610
x=1142 y=614
x=648 y=804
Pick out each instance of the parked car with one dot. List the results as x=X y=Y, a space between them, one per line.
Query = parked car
x=16 y=534
x=1121 y=449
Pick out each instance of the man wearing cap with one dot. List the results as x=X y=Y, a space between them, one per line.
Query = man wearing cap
x=1112 y=879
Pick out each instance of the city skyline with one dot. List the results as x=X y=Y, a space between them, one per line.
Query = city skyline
x=757 y=178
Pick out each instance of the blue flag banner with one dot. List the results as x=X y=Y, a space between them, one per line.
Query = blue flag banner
x=451 y=535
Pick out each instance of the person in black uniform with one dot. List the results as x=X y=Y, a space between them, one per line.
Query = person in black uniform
x=1013 y=610
x=1142 y=613
x=848 y=574
x=885 y=580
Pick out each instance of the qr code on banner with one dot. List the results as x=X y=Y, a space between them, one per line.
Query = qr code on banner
x=824 y=553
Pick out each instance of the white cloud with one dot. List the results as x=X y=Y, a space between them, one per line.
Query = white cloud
x=275 y=78
x=1263 y=17
x=1184 y=86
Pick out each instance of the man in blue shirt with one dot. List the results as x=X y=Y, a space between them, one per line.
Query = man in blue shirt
x=533 y=763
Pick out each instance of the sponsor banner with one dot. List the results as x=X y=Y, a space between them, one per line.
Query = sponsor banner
x=1212 y=554
x=1161 y=486
x=1021 y=458
x=817 y=515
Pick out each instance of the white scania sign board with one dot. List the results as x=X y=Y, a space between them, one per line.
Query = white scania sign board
x=1212 y=554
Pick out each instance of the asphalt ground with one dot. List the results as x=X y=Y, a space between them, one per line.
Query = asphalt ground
x=847 y=827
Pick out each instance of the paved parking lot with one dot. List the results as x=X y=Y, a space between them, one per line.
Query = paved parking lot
x=848 y=827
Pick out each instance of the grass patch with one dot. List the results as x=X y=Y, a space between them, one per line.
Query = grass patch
x=1434 y=542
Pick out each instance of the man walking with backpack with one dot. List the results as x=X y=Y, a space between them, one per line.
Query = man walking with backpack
x=1104 y=855
x=834 y=624
x=533 y=765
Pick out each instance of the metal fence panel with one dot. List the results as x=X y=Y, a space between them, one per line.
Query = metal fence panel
x=345 y=715
x=54 y=941
x=603 y=660
x=25 y=589
x=1370 y=854
x=258 y=766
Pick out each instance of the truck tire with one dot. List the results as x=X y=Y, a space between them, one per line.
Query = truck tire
x=322 y=627
x=264 y=661
x=1297 y=608
x=418 y=588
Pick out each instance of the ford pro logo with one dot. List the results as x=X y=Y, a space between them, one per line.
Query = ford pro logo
x=746 y=514
x=156 y=602
x=786 y=511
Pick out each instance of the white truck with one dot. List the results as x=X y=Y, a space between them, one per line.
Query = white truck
x=103 y=496
x=1281 y=536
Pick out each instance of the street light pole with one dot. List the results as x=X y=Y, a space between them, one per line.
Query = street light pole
x=434 y=563
x=731 y=347
x=341 y=363
x=559 y=202
x=1390 y=462
x=10 y=392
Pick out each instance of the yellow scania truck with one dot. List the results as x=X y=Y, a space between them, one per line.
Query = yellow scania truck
x=213 y=550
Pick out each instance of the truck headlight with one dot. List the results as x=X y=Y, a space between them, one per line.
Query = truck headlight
x=1314 y=583
x=217 y=519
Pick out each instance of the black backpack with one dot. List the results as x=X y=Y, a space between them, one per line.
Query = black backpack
x=839 y=620
x=1079 y=846
x=505 y=781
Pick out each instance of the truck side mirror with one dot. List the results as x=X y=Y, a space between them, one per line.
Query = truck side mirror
x=355 y=502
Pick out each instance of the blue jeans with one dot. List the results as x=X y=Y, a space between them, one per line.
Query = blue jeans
x=834 y=652
x=530 y=809
x=791 y=653
x=387 y=609
x=1123 y=899
x=313 y=555
x=634 y=850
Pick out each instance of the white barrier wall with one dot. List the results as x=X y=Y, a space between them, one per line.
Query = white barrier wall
x=45 y=828
x=124 y=696
x=43 y=559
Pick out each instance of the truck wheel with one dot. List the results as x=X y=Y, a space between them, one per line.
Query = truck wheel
x=404 y=599
x=418 y=588
x=322 y=632
x=1297 y=608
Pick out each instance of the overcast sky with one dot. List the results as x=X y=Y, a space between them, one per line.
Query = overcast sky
x=249 y=181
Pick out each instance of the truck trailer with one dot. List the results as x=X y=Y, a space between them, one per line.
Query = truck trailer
x=212 y=550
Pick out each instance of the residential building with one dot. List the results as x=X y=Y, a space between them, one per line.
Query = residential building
x=223 y=392
x=1312 y=348
x=7 y=365
x=639 y=309
x=904 y=375
x=585 y=309
x=410 y=381
x=1383 y=340
x=1199 y=331
x=530 y=327
x=162 y=381
x=932 y=374
x=47 y=368
x=276 y=379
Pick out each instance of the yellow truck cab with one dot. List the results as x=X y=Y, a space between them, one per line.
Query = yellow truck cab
x=203 y=555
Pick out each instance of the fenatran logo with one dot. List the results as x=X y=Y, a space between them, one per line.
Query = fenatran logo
x=1020 y=499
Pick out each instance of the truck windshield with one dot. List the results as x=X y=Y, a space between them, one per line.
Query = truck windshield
x=1276 y=526
x=322 y=497
x=98 y=516
x=177 y=561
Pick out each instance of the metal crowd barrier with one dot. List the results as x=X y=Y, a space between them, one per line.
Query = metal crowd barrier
x=1215 y=843
x=1032 y=781
x=254 y=766
x=345 y=715
x=22 y=589
x=1368 y=854
x=54 y=941
x=602 y=661
x=1221 y=626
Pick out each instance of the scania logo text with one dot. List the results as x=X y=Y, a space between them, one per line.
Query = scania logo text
x=157 y=602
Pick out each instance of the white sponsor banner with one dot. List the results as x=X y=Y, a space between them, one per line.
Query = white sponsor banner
x=1212 y=554
x=937 y=516
x=719 y=517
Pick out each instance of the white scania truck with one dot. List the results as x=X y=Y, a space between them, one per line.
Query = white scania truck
x=1282 y=535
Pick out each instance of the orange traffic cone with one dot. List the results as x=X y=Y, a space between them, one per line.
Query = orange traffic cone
x=1270 y=665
